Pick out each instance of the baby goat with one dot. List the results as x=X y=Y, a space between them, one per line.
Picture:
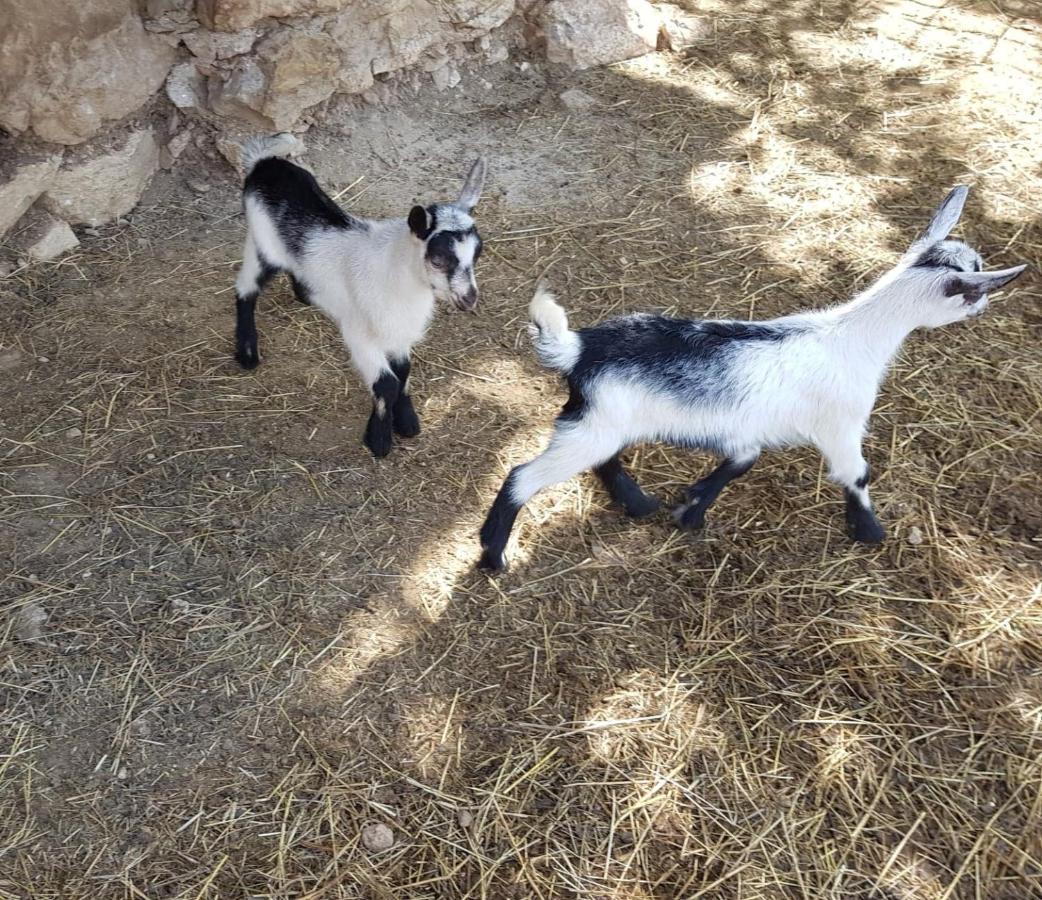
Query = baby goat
x=377 y=280
x=734 y=388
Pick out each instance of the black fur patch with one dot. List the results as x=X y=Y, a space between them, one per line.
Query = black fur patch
x=862 y=525
x=421 y=222
x=403 y=416
x=379 y=429
x=498 y=524
x=936 y=257
x=295 y=201
x=688 y=357
x=864 y=480
x=246 y=346
x=702 y=494
x=624 y=490
x=441 y=250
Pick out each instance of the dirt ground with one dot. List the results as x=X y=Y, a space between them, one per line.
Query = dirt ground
x=252 y=640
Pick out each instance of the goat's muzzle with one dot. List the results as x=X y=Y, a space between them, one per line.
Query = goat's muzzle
x=467 y=302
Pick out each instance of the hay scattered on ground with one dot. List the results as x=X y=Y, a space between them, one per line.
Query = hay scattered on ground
x=260 y=644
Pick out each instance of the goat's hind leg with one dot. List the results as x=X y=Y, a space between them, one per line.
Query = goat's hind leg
x=702 y=494
x=300 y=290
x=624 y=490
x=573 y=449
x=254 y=274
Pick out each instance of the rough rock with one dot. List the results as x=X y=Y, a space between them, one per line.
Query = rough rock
x=176 y=16
x=377 y=837
x=477 y=15
x=681 y=28
x=234 y=15
x=241 y=95
x=584 y=33
x=42 y=236
x=28 y=621
x=69 y=66
x=22 y=180
x=578 y=101
x=301 y=70
x=208 y=46
x=446 y=77
x=107 y=183
x=186 y=87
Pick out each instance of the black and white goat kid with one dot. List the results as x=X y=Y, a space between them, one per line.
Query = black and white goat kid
x=378 y=280
x=735 y=388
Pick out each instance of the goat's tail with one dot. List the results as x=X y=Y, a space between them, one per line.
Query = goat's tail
x=556 y=346
x=258 y=148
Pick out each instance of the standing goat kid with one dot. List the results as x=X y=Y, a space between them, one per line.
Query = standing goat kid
x=735 y=388
x=377 y=280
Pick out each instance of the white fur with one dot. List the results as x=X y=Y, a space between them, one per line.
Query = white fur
x=815 y=387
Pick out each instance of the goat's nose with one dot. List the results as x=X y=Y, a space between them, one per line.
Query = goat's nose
x=470 y=299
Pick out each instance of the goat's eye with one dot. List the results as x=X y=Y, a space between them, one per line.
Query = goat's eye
x=439 y=262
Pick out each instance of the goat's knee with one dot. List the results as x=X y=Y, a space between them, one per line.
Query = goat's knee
x=403 y=416
x=379 y=429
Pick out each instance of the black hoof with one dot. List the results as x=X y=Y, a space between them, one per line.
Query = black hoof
x=491 y=561
x=406 y=423
x=247 y=356
x=866 y=531
x=378 y=440
x=639 y=507
x=690 y=516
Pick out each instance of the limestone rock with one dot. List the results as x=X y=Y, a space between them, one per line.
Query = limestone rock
x=578 y=101
x=165 y=16
x=186 y=87
x=43 y=236
x=478 y=15
x=584 y=33
x=68 y=66
x=107 y=183
x=233 y=15
x=302 y=70
x=21 y=182
x=208 y=46
x=241 y=94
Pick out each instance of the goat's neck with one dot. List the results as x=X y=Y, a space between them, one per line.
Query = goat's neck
x=407 y=255
x=876 y=322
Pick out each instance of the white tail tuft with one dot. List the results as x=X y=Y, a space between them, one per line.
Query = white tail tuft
x=258 y=148
x=556 y=346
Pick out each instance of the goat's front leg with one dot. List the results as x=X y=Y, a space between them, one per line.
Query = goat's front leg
x=848 y=467
x=702 y=494
x=573 y=448
x=375 y=370
x=403 y=417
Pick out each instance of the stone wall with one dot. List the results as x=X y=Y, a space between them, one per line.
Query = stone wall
x=96 y=95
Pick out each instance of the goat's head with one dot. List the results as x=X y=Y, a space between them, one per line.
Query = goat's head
x=955 y=287
x=452 y=244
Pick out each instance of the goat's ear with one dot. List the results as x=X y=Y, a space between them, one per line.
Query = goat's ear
x=475 y=181
x=977 y=284
x=420 y=222
x=946 y=217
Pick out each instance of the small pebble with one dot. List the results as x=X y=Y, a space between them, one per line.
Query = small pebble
x=43 y=359
x=377 y=837
x=465 y=818
x=200 y=187
x=73 y=433
x=150 y=456
x=122 y=221
x=93 y=232
x=28 y=622
x=915 y=536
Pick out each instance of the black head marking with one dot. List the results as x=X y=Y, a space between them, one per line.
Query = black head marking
x=422 y=221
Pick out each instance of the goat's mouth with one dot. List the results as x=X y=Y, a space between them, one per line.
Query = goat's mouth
x=465 y=302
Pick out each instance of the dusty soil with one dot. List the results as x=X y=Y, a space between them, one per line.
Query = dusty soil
x=258 y=640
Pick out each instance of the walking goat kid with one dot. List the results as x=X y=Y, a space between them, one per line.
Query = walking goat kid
x=378 y=280
x=734 y=388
